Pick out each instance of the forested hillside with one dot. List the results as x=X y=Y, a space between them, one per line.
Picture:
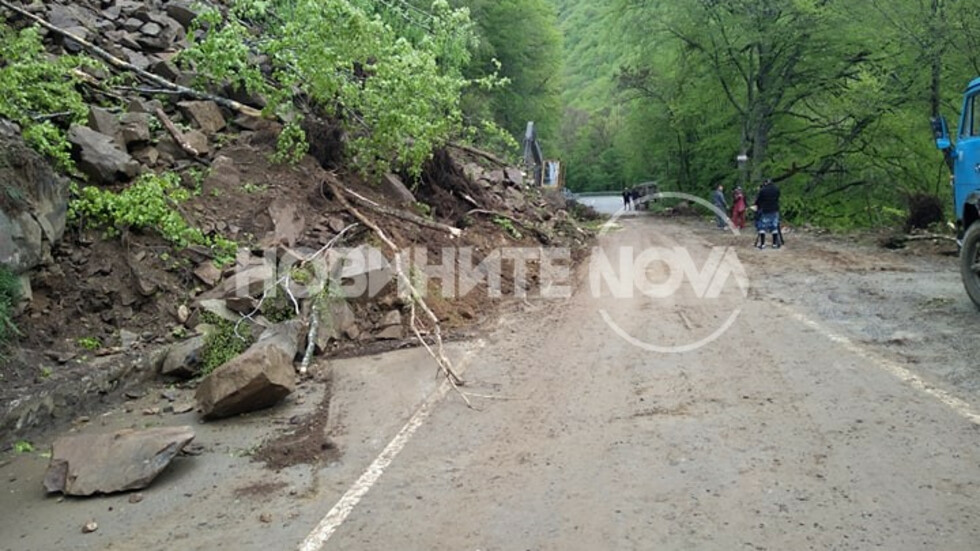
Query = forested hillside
x=832 y=99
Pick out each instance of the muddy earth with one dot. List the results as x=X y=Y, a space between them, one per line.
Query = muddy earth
x=822 y=396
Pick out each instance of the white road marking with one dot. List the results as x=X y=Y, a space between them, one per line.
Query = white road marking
x=961 y=407
x=339 y=513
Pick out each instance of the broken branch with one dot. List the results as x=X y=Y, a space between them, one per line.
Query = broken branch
x=479 y=152
x=408 y=217
x=176 y=134
x=542 y=236
x=438 y=354
x=929 y=236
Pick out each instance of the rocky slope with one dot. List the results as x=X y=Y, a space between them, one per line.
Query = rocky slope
x=105 y=313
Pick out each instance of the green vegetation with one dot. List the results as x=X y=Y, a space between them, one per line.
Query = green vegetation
x=403 y=77
x=277 y=307
x=197 y=176
x=508 y=225
x=39 y=91
x=23 y=446
x=397 y=86
x=519 y=40
x=150 y=203
x=832 y=99
x=9 y=297
x=251 y=188
x=221 y=344
x=90 y=343
x=424 y=209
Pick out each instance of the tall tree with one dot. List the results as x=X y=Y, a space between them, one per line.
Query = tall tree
x=521 y=36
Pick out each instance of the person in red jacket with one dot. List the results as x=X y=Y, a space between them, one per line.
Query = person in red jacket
x=738 y=208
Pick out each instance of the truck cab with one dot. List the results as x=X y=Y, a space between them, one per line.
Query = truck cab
x=963 y=159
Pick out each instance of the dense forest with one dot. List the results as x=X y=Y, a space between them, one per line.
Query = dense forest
x=832 y=99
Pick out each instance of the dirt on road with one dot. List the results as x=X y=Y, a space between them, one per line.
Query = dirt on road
x=822 y=396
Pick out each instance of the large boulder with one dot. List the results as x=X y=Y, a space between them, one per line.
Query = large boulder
x=86 y=464
x=33 y=204
x=103 y=121
x=100 y=158
x=182 y=12
x=259 y=378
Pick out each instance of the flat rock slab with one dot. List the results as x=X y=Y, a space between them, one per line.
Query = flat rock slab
x=87 y=464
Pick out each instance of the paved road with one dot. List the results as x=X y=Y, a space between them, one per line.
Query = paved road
x=783 y=433
x=779 y=435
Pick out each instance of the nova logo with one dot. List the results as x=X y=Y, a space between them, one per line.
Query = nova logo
x=673 y=281
x=660 y=272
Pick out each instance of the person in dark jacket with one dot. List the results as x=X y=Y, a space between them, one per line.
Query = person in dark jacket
x=767 y=215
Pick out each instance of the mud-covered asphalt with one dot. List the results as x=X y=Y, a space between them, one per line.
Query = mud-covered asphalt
x=829 y=403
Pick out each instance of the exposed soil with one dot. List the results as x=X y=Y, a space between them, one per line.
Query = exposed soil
x=306 y=443
x=100 y=291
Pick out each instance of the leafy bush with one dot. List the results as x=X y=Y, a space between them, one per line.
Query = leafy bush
x=9 y=297
x=149 y=203
x=396 y=84
x=38 y=89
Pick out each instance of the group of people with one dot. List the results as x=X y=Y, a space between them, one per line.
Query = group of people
x=629 y=198
x=765 y=207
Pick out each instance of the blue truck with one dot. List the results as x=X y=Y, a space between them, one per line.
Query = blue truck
x=963 y=159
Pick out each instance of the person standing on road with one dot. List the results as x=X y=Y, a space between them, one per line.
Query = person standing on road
x=718 y=198
x=626 y=199
x=738 y=208
x=767 y=215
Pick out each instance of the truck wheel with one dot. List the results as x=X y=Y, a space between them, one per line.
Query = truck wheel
x=970 y=262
